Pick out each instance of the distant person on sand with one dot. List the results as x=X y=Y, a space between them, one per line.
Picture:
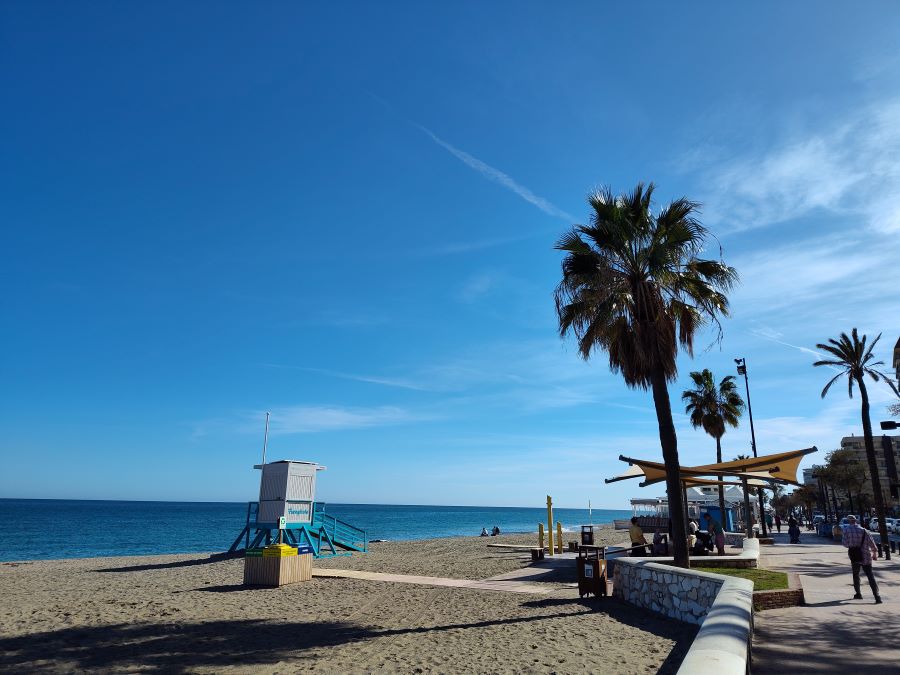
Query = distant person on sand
x=860 y=549
x=778 y=523
x=637 y=539
x=484 y=532
x=715 y=529
x=495 y=531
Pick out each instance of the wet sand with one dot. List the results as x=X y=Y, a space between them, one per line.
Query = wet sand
x=190 y=613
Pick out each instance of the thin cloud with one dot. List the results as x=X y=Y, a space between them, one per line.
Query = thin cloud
x=498 y=176
x=847 y=169
x=371 y=379
x=306 y=419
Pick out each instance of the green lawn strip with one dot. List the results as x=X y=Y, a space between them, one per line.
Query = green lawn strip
x=763 y=580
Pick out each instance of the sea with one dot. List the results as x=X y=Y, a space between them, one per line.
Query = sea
x=35 y=529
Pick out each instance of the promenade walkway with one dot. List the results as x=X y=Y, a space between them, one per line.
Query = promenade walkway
x=833 y=633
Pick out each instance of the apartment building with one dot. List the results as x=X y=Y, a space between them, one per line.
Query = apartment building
x=888 y=464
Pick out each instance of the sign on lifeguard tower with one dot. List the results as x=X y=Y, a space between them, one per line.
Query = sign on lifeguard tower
x=287 y=490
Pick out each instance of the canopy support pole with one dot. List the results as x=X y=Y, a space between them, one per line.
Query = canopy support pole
x=748 y=517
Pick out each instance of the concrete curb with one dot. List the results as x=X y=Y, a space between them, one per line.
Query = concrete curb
x=722 y=647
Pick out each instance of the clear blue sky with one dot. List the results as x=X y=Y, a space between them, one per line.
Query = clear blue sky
x=346 y=216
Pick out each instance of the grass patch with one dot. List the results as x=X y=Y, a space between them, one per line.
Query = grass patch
x=763 y=580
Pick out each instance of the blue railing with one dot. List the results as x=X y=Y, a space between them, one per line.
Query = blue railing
x=341 y=533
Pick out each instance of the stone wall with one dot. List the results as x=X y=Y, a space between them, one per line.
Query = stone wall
x=680 y=594
x=723 y=606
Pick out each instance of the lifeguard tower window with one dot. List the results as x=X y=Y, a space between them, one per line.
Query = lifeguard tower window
x=287 y=489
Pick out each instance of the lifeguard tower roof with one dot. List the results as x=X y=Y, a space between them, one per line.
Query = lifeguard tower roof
x=319 y=467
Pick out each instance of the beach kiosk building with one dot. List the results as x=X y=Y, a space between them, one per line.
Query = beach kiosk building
x=287 y=506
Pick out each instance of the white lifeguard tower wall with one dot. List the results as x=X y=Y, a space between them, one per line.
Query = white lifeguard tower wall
x=287 y=489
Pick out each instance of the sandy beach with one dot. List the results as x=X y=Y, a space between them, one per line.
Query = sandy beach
x=190 y=613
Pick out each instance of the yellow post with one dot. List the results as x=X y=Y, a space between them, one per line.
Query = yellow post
x=541 y=535
x=559 y=537
x=550 y=525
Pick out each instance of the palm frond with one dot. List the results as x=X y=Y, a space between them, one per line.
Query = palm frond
x=831 y=382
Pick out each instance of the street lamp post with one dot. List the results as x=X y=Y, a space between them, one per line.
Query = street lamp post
x=742 y=370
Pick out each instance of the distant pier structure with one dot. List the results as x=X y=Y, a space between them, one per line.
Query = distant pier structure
x=287 y=505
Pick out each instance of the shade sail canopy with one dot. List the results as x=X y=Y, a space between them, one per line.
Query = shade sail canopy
x=780 y=467
x=693 y=481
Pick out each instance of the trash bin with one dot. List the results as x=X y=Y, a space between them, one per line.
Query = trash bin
x=587 y=535
x=591 y=573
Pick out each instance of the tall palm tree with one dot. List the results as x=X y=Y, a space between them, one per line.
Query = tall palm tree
x=633 y=285
x=856 y=361
x=714 y=409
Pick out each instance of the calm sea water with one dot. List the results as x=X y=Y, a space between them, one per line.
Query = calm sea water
x=32 y=529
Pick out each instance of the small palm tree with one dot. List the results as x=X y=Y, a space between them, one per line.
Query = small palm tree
x=634 y=286
x=714 y=409
x=856 y=361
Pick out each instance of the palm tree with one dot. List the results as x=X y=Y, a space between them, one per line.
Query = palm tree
x=714 y=409
x=633 y=286
x=856 y=361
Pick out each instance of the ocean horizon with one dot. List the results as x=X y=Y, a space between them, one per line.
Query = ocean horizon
x=42 y=529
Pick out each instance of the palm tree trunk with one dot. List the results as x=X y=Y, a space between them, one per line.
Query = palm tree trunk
x=669 y=443
x=721 y=487
x=873 y=468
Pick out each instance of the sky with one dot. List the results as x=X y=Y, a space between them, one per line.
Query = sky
x=345 y=214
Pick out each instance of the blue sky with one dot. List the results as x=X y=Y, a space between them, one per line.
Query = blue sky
x=346 y=216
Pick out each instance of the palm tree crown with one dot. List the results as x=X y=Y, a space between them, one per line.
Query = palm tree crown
x=855 y=359
x=633 y=284
x=711 y=407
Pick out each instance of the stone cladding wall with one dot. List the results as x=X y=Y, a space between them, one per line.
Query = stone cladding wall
x=685 y=596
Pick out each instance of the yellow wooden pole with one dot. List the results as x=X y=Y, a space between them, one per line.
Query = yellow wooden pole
x=559 y=537
x=541 y=535
x=550 y=524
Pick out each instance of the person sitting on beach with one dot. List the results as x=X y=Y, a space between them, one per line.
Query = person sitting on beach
x=692 y=526
x=484 y=532
x=495 y=531
x=638 y=543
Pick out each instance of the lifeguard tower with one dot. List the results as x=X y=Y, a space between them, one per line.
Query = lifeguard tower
x=287 y=492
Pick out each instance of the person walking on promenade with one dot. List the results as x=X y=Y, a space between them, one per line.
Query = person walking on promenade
x=860 y=549
x=778 y=523
x=715 y=529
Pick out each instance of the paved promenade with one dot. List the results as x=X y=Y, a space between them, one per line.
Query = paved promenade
x=833 y=633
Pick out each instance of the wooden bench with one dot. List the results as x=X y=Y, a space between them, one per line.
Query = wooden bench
x=537 y=553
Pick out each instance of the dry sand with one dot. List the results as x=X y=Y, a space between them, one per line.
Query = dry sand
x=190 y=613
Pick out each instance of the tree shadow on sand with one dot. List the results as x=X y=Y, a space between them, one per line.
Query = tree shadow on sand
x=171 y=647
x=182 y=647
x=214 y=558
